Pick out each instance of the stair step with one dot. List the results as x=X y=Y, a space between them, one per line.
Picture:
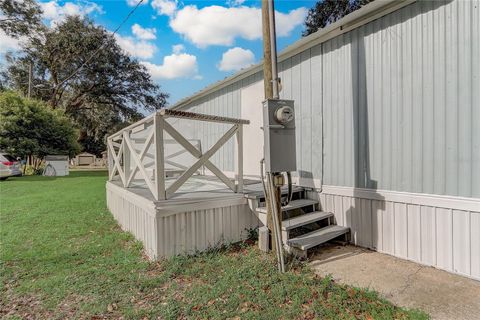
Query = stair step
x=260 y=194
x=305 y=219
x=314 y=238
x=294 y=204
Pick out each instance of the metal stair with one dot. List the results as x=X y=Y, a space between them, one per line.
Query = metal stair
x=303 y=226
x=302 y=220
x=294 y=204
x=314 y=238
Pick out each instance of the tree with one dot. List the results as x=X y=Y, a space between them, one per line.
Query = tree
x=326 y=12
x=97 y=94
x=29 y=128
x=19 y=17
x=96 y=124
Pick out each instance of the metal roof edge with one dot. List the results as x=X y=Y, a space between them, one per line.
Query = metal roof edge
x=362 y=16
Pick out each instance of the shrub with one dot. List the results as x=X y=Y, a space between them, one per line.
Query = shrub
x=29 y=128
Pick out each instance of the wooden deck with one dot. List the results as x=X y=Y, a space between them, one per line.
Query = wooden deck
x=202 y=214
x=164 y=198
x=196 y=188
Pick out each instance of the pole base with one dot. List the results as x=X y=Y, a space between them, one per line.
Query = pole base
x=264 y=239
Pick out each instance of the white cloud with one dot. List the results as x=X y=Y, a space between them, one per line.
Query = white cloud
x=8 y=43
x=176 y=65
x=144 y=33
x=178 y=48
x=235 y=59
x=165 y=7
x=139 y=49
x=139 y=46
x=234 y=3
x=286 y=22
x=217 y=25
x=56 y=13
x=133 y=3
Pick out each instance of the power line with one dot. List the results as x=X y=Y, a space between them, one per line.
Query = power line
x=99 y=48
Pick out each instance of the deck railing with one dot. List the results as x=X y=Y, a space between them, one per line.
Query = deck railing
x=148 y=134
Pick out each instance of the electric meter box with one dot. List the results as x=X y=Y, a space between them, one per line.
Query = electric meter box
x=279 y=135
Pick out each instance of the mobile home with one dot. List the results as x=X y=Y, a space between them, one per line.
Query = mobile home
x=387 y=104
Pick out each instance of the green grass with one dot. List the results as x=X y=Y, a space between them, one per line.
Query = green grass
x=63 y=256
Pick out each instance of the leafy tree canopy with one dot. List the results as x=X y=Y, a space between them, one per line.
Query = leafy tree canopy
x=30 y=128
x=19 y=17
x=326 y=12
x=98 y=94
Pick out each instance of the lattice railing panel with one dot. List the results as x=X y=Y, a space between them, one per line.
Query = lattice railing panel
x=138 y=152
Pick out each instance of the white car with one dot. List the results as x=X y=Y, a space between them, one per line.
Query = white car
x=9 y=166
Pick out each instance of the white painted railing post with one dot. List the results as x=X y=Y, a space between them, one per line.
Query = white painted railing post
x=126 y=159
x=159 y=124
x=116 y=167
x=109 y=159
x=239 y=158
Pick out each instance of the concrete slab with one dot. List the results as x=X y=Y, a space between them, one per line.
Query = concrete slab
x=441 y=294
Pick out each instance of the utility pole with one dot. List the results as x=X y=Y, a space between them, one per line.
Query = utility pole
x=273 y=49
x=30 y=76
x=270 y=80
x=267 y=53
x=268 y=89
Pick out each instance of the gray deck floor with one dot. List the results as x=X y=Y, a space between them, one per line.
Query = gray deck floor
x=197 y=187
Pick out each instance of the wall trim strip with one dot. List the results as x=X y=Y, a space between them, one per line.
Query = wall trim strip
x=431 y=200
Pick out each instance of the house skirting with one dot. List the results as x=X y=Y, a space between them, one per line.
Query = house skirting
x=438 y=231
x=168 y=228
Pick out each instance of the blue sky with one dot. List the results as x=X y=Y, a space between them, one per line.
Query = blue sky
x=187 y=45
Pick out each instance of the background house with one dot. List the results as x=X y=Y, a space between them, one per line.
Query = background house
x=85 y=159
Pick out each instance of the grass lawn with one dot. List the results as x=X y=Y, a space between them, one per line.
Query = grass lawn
x=63 y=256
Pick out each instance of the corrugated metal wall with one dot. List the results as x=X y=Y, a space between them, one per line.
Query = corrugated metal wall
x=302 y=81
x=400 y=99
x=415 y=87
x=225 y=102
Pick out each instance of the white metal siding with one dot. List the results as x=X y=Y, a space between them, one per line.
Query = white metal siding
x=414 y=83
x=225 y=102
x=302 y=81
